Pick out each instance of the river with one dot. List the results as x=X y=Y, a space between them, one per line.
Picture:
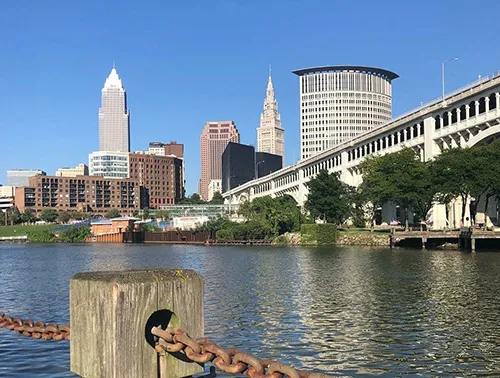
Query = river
x=349 y=311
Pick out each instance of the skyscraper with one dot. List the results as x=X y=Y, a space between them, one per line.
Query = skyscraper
x=114 y=117
x=213 y=141
x=270 y=134
x=338 y=103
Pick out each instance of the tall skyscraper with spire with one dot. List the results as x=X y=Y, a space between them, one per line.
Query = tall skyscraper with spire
x=114 y=117
x=270 y=134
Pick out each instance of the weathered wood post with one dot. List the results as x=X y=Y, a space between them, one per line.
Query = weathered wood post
x=112 y=313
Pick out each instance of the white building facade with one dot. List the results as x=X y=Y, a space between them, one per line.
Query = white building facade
x=80 y=170
x=270 y=133
x=110 y=164
x=214 y=186
x=114 y=117
x=20 y=177
x=338 y=103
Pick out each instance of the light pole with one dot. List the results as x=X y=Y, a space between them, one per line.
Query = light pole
x=257 y=168
x=442 y=73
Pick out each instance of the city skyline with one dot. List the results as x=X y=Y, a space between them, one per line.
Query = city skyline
x=177 y=86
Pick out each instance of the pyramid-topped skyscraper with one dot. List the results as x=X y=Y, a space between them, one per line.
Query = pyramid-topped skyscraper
x=270 y=134
x=114 y=117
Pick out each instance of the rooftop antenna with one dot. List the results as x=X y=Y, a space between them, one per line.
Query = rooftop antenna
x=270 y=70
x=114 y=64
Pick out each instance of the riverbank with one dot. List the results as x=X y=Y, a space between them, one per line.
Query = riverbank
x=344 y=237
x=23 y=230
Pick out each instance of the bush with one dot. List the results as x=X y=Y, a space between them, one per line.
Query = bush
x=41 y=236
x=321 y=234
x=75 y=234
x=224 y=234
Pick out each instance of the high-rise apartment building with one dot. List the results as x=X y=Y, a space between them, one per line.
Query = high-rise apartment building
x=110 y=164
x=338 y=103
x=80 y=170
x=20 y=177
x=213 y=141
x=270 y=134
x=114 y=117
x=161 y=178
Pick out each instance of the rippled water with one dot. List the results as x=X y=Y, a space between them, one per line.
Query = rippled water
x=359 y=312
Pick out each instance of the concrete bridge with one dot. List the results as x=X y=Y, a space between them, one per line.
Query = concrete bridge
x=465 y=117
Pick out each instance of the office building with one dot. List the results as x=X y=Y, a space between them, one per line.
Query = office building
x=110 y=164
x=338 y=103
x=20 y=177
x=266 y=164
x=7 y=191
x=214 y=186
x=84 y=193
x=213 y=141
x=160 y=177
x=80 y=170
x=270 y=134
x=114 y=117
x=238 y=165
x=173 y=148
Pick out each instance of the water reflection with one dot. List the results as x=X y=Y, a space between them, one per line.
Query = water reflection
x=358 y=312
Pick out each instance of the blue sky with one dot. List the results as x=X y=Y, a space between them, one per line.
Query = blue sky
x=187 y=62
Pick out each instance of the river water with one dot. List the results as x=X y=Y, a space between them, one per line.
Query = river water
x=350 y=311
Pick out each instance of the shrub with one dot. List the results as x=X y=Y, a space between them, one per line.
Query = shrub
x=321 y=234
x=41 y=236
x=75 y=234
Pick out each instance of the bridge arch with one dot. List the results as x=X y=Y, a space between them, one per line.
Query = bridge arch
x=482 y=135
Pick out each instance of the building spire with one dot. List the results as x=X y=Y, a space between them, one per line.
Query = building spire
x=270 y=70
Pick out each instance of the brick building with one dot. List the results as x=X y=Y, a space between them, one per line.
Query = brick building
x=85 y=193
x=161 y=178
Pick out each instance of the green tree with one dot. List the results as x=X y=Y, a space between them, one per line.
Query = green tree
x=145 y=213
x=195 y=199
x=217 y=199
x=49 y=215
x=63 y=217
x=28 y=216
x=113 y=213
x=162 y=215
x=14 y=215
x=457 y=172
x=328 y=198
x=400 y=177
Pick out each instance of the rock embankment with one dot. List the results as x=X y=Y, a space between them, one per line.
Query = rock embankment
x=363 y=238
x=345 y=238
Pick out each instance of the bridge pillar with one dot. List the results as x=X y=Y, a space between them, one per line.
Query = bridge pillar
x=487 y=103
x=467 y=111
x=476 y=105
x=430 y=147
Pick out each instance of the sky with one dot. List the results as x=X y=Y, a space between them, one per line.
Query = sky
x=184 y=63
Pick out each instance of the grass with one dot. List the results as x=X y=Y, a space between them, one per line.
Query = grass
x=21 y=230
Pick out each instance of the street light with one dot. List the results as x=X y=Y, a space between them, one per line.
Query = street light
x=442 y=72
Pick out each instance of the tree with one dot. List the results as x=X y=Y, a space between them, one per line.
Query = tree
x=49 y=215
x=162 y=215
x=113 y=213
x=328 y=198
x=458 y=172
x=63 y=217
x=75 y=234
x=145 y=213
x=14 y=215
x=217 y=199
x=195 y=199
x=400 y=177
x=28 y=216
x=281 y=213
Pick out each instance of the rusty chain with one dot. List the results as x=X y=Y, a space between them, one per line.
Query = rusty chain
x=231 y=360
x=36 y=330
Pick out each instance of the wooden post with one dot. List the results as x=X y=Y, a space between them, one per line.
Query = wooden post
x=472 y=244
x=112 y=313
x=424 y=241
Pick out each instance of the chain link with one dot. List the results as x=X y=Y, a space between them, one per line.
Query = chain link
x=231 y=360
x=36 y=330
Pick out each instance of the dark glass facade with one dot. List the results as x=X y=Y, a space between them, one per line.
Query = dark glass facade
x=266 y=163
x=238 y=165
